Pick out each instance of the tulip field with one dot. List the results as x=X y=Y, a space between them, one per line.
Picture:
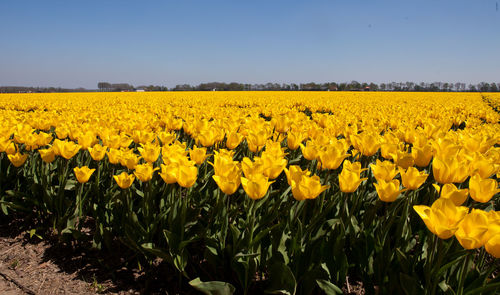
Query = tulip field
x=276 y=192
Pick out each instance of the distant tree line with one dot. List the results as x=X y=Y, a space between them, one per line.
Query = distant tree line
x=311 y=86
x=28 y=89
x=345 y=86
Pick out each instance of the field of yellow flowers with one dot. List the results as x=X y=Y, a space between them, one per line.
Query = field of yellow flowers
x=282 y=192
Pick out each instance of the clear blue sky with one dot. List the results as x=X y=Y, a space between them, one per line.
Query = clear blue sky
x=79 y=43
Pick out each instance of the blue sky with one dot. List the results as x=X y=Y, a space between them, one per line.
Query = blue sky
x=79 y=43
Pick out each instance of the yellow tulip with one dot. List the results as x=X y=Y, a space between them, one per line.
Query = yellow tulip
x=482 y=166
x=412 y=179
x=166 y=138
x=255 y=185
x=229 y=183
x=294 y=139
x=349 y=178
x=129 y=159
x=87 y=140
x=149 y=152
x=385 y=170
x=186 y=175
x=47 y=155
x=233 y=140
x=198 y=155
x=366 y=143
x=449 y=170
x=442 y=218
x=272 y=166
x=422 y=155
x=307 y=187
x=17 y=159
x=124 y=180
x=403 y=159
x=169 y=172
x=68 y=149
x=114 y=155
x=492 y=246
x=332 y=157
x=388 y=191
x=295 y=173
x=471 y=233
x=97 y=152
x=83 y=173
x=257 y=140
x=310 y=151
x=144 y=172
x=450 y=191
x=482 y=190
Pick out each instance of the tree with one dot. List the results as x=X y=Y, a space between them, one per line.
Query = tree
x=104 y=86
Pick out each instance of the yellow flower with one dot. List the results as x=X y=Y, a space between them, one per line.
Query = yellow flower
x=43 y=139
x=307 y=187
x=187 y=175
x=166 y=138
x=442 y=218
x=483 y=166
x=144 y=172
x=124 y=180
x=272 y=166
x=255 y=185
x=471 y=233
x=309 y=151
x=482 y=190
x=83 y=173
x=129 y=159
x=385 y=170
x=149 y=152
x=198 y=155
x=233 y=140
x=412 y=178
x=114 y=155
x=68 y=149
x=230 y=182
x=403 y=159
x=207 y=137
x=47 y=155
x=332 y=157
x=366 y=143
x=248 y=167
x=493 y=246
x=87 y=140
x=422 y=155
x=449 y=170
x=97 y=152
x=169 y=172
x=388 y=191
x=349 y=178
x=294 y=139
x=295 y=173
x=450 y=191
x=17 y=159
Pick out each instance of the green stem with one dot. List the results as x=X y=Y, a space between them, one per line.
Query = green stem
x=463 y=274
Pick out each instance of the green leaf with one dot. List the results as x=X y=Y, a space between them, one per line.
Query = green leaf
x=328 y=288
x=282 y=280
x=488 y=288
x=212 y=287
x=70 y=185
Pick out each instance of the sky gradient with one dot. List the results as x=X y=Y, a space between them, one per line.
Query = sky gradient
x=79 y=43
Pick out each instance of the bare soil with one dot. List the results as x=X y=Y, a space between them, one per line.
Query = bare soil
x=49 y=266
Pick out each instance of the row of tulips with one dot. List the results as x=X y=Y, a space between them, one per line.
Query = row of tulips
x=279 y=207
